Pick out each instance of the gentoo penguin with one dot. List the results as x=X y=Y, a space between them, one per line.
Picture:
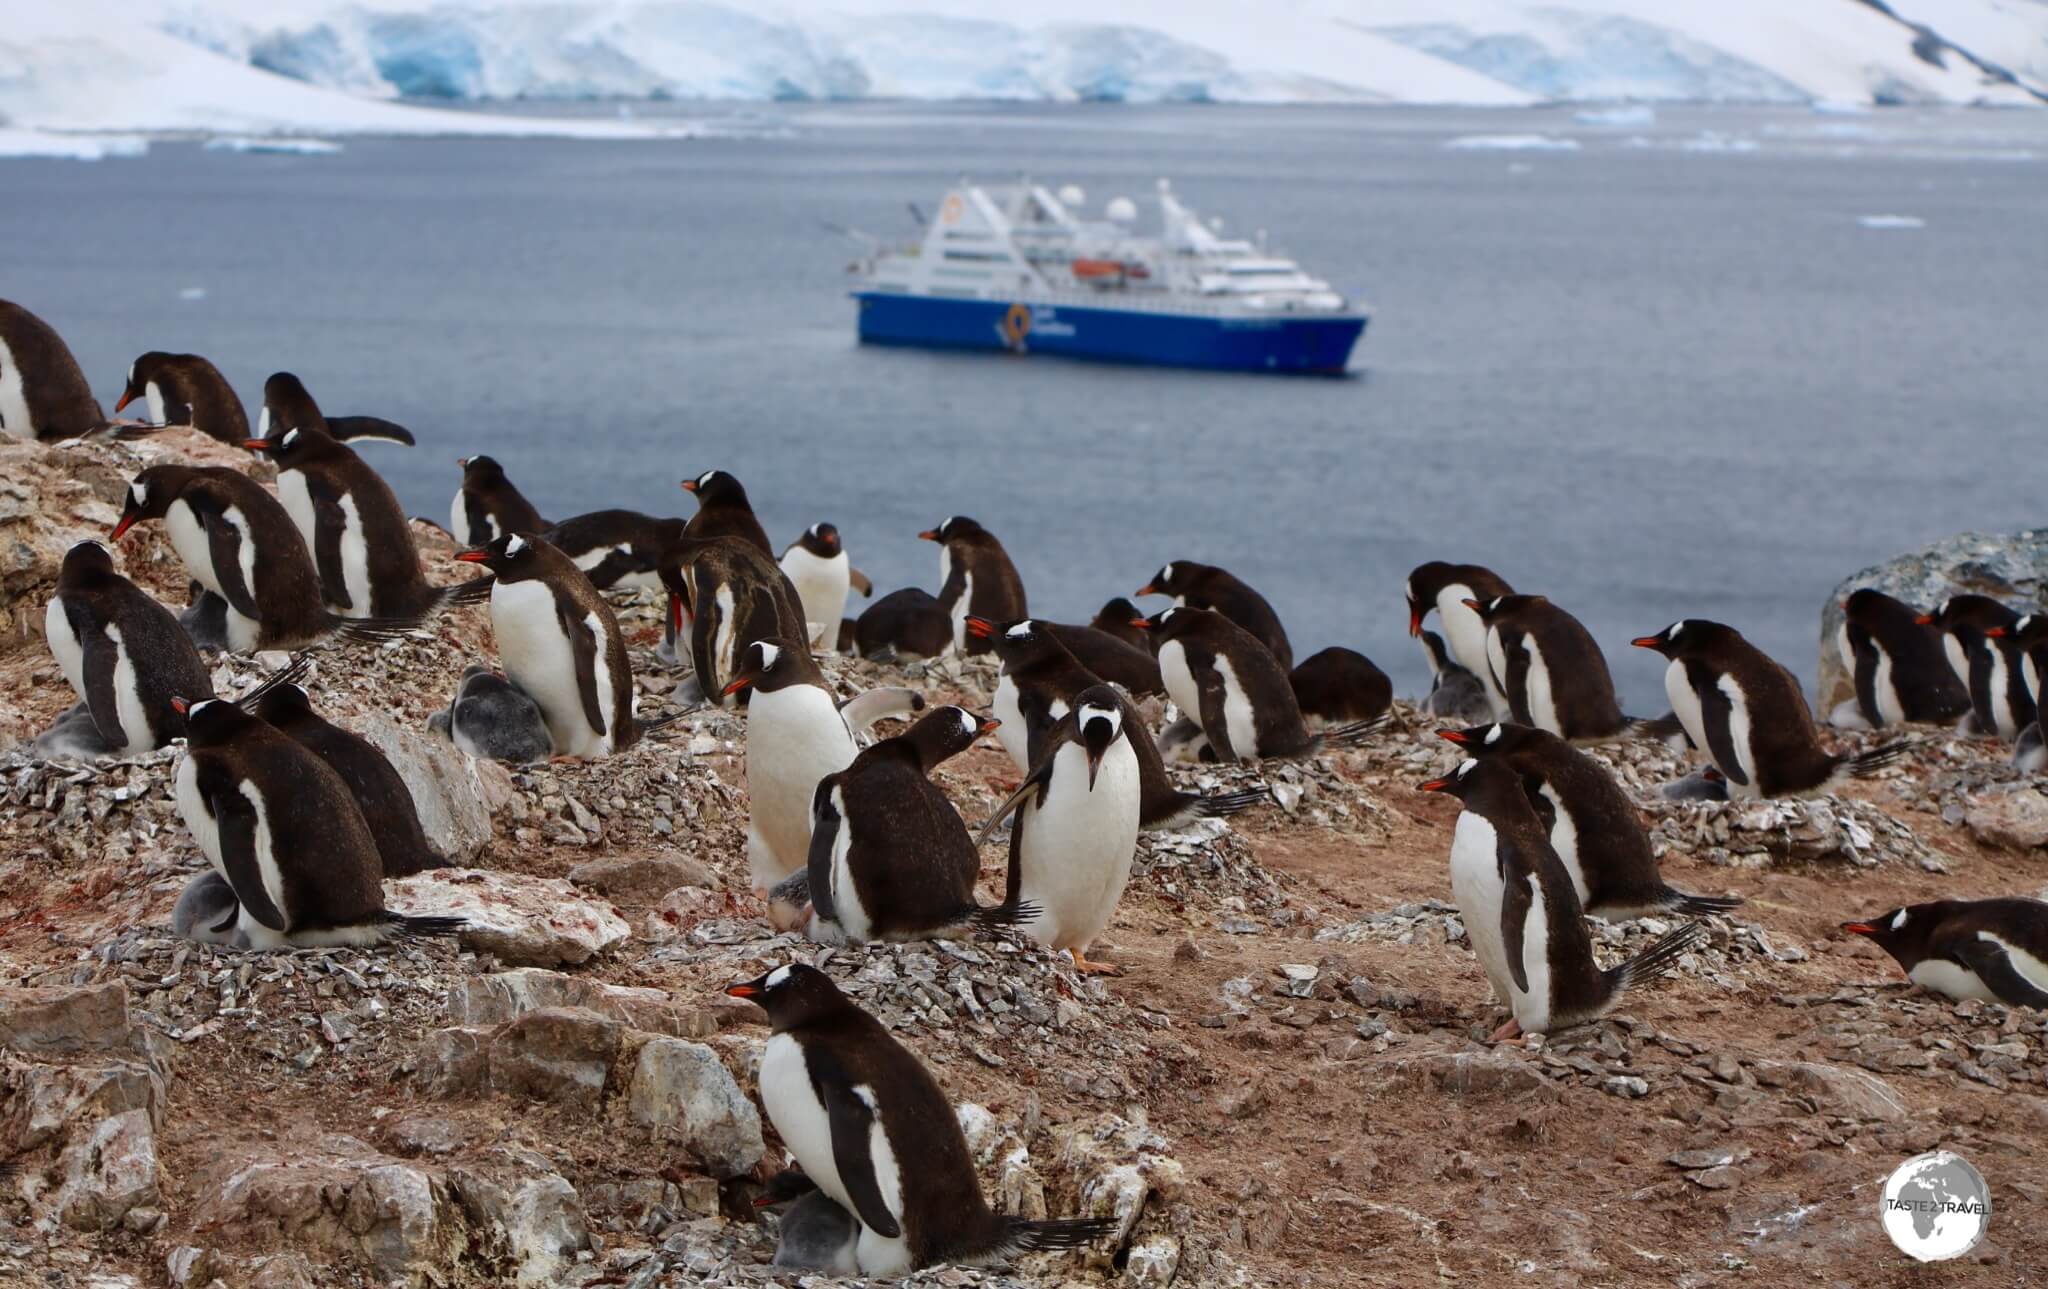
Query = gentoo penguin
x=349 y=517
x=1204 y=586
x=1527 y=928
x=812 y=1232
x=816 y=564
x=1110 y=658
x=1445 y=588
x=1995 y=951
x=797 y=733
x=558 y=641
x=1220 y=675
x=1115 y=618
x=889 y=857
x=186 y=389
x=1748 y=714
x=282 y=829
x=1898 y=666
x=238 y=542
x=379 y=792
x=1077 y=828
x=1454 y=692
x=872 y=1128
x=488 y=505
x=1994 y=667
x=1039 y=682
x=494 y=719
x=2030 y=749
x=124 y=655
x=976 y=579
x=43 y=394
x=1593 y=826
x=909 y=625
x=618 y=549
x=738 y=595
x=1338 y=686
x=724 y=511
x=1549 y=669
x=288 y=405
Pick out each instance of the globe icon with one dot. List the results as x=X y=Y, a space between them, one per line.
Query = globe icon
x=1936 y=1206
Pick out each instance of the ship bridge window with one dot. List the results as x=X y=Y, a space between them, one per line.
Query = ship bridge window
x=997 y=257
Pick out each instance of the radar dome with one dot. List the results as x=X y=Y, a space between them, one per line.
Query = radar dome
x=1072 y=195
x=1121 y=209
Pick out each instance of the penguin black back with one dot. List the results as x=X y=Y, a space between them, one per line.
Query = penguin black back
x=1550 y=668
x=379 y=791
x=43 y=393
x=724 y=511
x=1885 y=646
x=489 y=505
x=738 y=595
x=910 y=625
x=1994 y=950
x=1111 y=658
x=1114 y=619
x=1204 y=586
x=186 y=389
x=976 y=579
x=1338 y=686
x=124 y=654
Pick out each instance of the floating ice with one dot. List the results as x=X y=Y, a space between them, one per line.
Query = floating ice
x=1891 y=221
x=273 y=143
x=69 y=147
x=1631 y=116
x=1513 y=143
x=192 y=293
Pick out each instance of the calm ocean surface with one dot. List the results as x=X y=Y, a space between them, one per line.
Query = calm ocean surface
x=1667 y=373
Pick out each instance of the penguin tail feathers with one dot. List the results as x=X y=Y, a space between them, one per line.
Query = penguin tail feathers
x=372 y=630
x=1666 y=726
x=1700 y=906
x=1020 y=1235
x=1004 y=914
x=659 y=722
x=291 y=673
x=476 y=590
x=1223 y=804
x=1353 y=734
x=406 y=927
x=1658 y=958
x=1869 y=763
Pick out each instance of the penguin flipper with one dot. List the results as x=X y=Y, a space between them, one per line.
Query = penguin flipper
x=329 y=522
x=224 y=538
x=1518 y=892
x=864 y=709
x=1866 y=681
x=850 y=1110
x=584 y=644
x=1215 y=724
x=369 y=429
x=1036 y=781
x=1516 y=683
x=859 y=582
x=1717 y=713
x=101 y=659
x=1994 y=966
x=825 y=826
x=236 y=818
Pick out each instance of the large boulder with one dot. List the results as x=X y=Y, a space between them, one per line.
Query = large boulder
x=446 y=790
x=2012 y=567
x=685 y=1093
x=508 y=995
x=525 y=921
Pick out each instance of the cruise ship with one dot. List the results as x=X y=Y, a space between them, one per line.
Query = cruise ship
x=1019 y=268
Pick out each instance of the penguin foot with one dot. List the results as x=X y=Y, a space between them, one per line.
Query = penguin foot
x=1508 y=1035
x=1087 y=968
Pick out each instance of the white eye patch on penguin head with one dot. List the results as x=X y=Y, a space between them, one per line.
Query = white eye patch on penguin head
x=1022 y=630
x=969 y=722
x=1466 y=767
x=1899 y=919
x=766 y=654
x=1493 y=733
x=515 y=545
x=290 y=437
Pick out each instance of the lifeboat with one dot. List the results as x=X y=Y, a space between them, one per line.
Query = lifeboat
x=1101 y=270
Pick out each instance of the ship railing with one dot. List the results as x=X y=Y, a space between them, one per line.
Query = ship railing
x=1123 y=300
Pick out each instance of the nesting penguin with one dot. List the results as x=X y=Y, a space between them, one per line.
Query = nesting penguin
x=889 y=856
x=1204 y=586
x=813 y=1233
x=43 y=393
x=1454 y=693
x=1548 y=667
x=1338 y=686
x=494 y=719
x=1039 y=682
x=287 y=404
x=489 y=505
x=1897 y=664
x=1077 y=827
x=872 y=1128
x=281 y=828
x=558 y=641
x=1992 y=666
x=1221 y=676
x=1592 y=825
x=379 y=792
x=350 y=519
x=1524 y=919
x=1445 y=588
x=617 y=549
x=1995 y=951
x=1749 y=715
x=238 y=542
x=123 y=654
x=186 y=389
x=1114 y=618
x=976 y=578
x=909 y=625
x=1111 y=658
x=816 y=564
x=797 y=734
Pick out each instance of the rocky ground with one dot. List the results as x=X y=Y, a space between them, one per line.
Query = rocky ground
x=1287 y=1085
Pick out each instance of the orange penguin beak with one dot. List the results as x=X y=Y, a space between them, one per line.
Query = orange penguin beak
x=1434 y=785
x=764 y=1201
x=1647 y=642
x=1474 y=605
x=1414 y=621
x=690 y=485
x=1145 y=590
x=1999 y=632
x=477 y=556
x=981 y=628
x=1859 y=928
x=744 y=989
x=180 y=706
x=127 y=522
x=126 y=398
x=463 y=462
x=989 y=725
x=738 y=683
x=1925 y=619
x=1453 y=736
x=1142 y=624
x=258 y=445
x=929 y=535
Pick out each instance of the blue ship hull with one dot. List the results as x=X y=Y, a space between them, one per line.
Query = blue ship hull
x=1270 y=344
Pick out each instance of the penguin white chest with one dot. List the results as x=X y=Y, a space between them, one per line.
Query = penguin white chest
x=1685 y=704
x=1939 y=975
x=155 y=397
x=1844 y=649
x=1476 y=887
x=1889 y=707
x=960 y=610
x=14 y=417
x=65 y=645
x=1958 y=657
x=1077 y=848
x=539 y=658
x=1564 y=839
x=1238 y=722
x=198 y=815
x=795 y=737
x=806 y=1129
x=821 y=586
x=1538 y=695
x=1465 y=633
x=458 y=523
x=723 y=641
x=1179 y=679
x=1739 y=729
x=297 y=497
x=355 y=558
x=2002 y=713
x=188 y=538
x=129 y=713
x=1532 y=1006
x=2032 y=676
